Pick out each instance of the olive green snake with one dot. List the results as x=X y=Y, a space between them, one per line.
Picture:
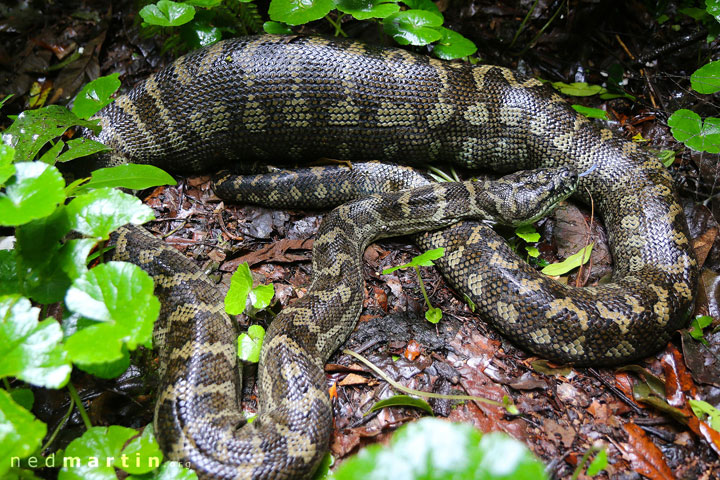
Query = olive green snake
x=297 y=98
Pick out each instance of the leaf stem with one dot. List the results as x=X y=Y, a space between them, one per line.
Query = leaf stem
x=583 y=461
x=60 y=425
x=336 y=24
x=422 y=286
x=81 y=408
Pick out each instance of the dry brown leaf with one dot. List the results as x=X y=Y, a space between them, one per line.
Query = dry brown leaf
x=644 y=456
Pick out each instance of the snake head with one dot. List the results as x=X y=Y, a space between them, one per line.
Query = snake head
x=527 y=196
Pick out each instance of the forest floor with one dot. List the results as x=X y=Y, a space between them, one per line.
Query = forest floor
x=639 y=413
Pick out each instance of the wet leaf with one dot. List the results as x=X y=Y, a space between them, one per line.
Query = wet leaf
x=364 y=9
x=687 y=127
x=276 y=28
x=33 y=192
x=578 y=89
x=414 y=27
x=143 y=453
x=96 y=95
x=21 y=433
x=706 y=412
x=34 y=128
x=706 y=79
x=401 y=401
x=117 y=299
x=101 y=211
x=297 y=12
x=431 y=449
x=645 y=457
x=93 y=449
x=167 y=471
x=544 y=366
x=262 y=295
x=31 y=350
x=453 y=45
x=240 y=286
x=166 y=13
x=81 y=147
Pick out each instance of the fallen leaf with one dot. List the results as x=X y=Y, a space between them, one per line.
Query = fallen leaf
x=644 y=456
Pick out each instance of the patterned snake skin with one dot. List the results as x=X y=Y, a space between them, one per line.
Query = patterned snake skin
x=297 y=98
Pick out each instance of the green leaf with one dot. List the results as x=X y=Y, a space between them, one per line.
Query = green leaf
x=433 y=449
x=693 y=12
x=532 y=251
x=402 y=401
x=698 y=324
x=599 y=463
x=712 y=7
x=101 y=211
x=413 y=27
x=591 y=112
x=168 y=471
x=276 y=28
x=453 y=45
x=706 y=79
x=706 y=412
x=297 y=12
x=34 y=128
x=262 y=295
x=81 y=147
x=34 y=192
x=31 y=350
x=90 y=453
x=422 y=260
x=133 y=176
x=119 y=297
x=250 y=344
x=23 y=397
x=95 y=95
x=573 y=261
x=50 y=156
x=142 y=454
x=528 y=233
x=240 y=286
x=578 y=89
x=433 y=315
x=364 y=9
x=200 y=34
x=9 y=281
x=110 y=369
x=7 y=169
x=687 y=127
x=166 y=13
x=40 y=267
x=21 y=433
x=666 y=157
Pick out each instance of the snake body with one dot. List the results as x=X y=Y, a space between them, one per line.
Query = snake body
x=300 y=98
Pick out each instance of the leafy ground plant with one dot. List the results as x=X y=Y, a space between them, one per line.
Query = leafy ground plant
x=109 y=309
x=432 y=315
x=204 y=22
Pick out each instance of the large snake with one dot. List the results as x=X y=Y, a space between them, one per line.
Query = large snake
x=297 y=98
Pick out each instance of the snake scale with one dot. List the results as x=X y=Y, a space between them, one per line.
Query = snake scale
x=297 y=98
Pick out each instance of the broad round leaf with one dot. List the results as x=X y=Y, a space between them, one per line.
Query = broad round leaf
x=200 y=34
x=432 y=449
x=413 y=27
x=21 y=433
x=453 y=45
x=250 y=344
x=34 y=192
x=297 y=12
x=95 y=95
x=92 y=451
x=276 y=28
x=706 y=79
x=169 y=471
x=143 y=453
x=240 y=286
x=687 y=127
x=119 y=296
x=31 y=350
x=364 y=9
x=166 y=13
x=101 y=211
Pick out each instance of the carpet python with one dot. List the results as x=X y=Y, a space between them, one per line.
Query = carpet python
x=295 y=98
